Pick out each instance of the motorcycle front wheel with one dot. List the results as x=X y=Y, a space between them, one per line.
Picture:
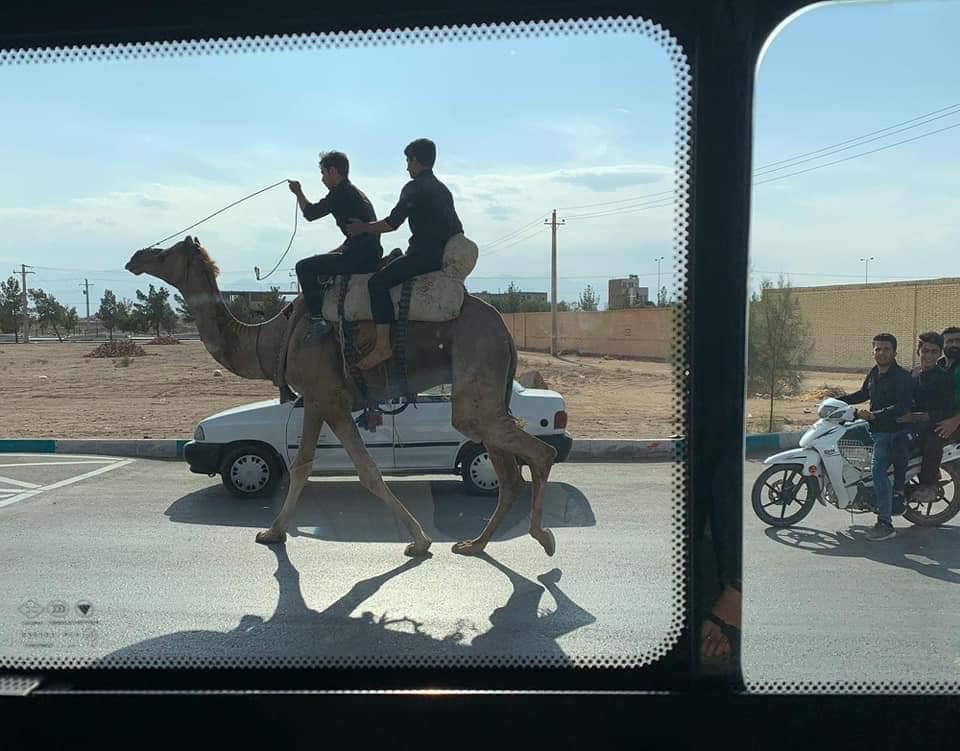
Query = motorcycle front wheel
x=944 y=507
x=782 y=496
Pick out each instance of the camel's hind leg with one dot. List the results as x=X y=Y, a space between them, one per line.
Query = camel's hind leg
x=299 y=472
x=502 y=433
x=511 y=485
x=342 y=424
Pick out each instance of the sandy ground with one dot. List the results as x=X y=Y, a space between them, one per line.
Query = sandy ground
x=51 y=390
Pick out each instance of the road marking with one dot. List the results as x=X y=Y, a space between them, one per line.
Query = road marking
x=19 y=483
x=62 y=483
x=50 y=464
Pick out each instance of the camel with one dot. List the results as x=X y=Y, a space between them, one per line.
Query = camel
x=474 y=352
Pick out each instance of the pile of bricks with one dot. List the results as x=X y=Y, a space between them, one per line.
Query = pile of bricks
x=119 y=348
x=164 y=340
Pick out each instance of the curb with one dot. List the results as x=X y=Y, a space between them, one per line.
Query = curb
x=143 y=448
x=583 y=450
x=773 y=441
x=626 y=449
x=586 y=449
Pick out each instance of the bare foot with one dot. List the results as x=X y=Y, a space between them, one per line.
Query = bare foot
x=546 y=539
x=469 y=547
x=376 y=357
x=418 y=548
x=271 y=537
x=713 y=642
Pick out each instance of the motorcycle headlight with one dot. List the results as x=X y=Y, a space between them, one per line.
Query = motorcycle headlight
x=198 y=433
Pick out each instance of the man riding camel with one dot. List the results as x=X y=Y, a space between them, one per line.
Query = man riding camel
x=428 y=204
x=357 y=255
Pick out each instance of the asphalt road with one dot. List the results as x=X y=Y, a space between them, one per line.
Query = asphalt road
x=142 y=562
x=821 y=604
x=164 y=565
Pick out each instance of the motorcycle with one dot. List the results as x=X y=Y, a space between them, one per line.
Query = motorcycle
x=832 y=466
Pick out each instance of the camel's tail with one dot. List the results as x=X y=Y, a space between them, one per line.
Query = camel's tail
x=511 y=373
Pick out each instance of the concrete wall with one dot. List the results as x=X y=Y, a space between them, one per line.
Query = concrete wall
x=643 y=333
x=843 y=319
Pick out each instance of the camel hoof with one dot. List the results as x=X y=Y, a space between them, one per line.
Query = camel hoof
x=469 y=547
x=418 y=549
x=269 y=537
x=546 y=539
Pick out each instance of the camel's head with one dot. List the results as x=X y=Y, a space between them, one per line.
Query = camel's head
x=174 y=264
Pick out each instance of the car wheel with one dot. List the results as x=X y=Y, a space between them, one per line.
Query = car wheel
x=250 y=471
x=477 y=471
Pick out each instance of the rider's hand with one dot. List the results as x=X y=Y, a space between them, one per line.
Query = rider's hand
x=866 y=414
x=294 y=186
x=948 y=427
x=355 y=227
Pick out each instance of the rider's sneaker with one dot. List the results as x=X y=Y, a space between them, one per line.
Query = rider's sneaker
x=881 y=531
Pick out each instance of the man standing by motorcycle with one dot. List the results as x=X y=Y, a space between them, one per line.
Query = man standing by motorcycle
x=890 y=391
x=933 y=403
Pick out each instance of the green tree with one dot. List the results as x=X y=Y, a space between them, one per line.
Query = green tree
x=110 y=312
x=779 y=342
x=50 y=313
x=589 y=299
x=183 y=310
x=11 y=304
x=273 y=303
x=153 y=309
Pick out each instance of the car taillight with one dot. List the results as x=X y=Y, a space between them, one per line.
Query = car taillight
x=560 y=420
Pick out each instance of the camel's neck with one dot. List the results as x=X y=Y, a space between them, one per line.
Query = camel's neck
x=250 y=351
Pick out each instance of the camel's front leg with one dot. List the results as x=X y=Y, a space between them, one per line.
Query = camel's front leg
x=299 y=472
x=370 y=477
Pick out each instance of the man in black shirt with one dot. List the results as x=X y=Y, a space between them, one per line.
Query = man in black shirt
x=932 y=404
x=890 y=391
x=428 y=204
x=949 y=429
x=357 y=255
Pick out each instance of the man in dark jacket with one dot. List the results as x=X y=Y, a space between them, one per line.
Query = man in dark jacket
x=890 y=391
x=933 y=403
x=428 y=204
x=357 y=255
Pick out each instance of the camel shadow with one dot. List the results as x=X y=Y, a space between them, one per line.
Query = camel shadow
x=343 y=511
x=334 y=637
x=929 y=551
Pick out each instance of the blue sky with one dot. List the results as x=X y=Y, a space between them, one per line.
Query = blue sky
x=103 y=158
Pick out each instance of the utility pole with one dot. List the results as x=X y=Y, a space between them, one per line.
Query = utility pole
x=293 y=273
x=554 y=338
x=85 y=286
x=23 y=299
x=658 y=260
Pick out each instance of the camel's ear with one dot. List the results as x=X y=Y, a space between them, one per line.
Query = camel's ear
x=188 y=240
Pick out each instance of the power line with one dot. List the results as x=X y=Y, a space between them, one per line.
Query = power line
x=515 y=232
x=865 y=135
x=857 y=156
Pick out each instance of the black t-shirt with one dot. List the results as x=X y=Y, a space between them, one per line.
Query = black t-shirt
x=933 y=393
x=346 y=202
x=428 y=204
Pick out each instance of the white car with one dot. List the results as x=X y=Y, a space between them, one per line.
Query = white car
x=250 y=447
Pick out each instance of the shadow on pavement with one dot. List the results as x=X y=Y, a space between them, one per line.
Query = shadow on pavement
x=929 y=551
x=346 y=512
x=519 y=628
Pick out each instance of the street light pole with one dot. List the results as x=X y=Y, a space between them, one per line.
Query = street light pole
x=866 y=269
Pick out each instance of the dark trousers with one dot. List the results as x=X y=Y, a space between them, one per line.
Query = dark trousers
x=931 y=446
x=394 y=273
x=346 y=261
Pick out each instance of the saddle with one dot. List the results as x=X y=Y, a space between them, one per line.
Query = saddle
x=436 y=296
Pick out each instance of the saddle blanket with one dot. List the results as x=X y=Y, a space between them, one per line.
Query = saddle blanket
x=437 y=296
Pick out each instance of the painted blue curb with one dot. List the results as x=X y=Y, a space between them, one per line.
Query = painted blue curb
x=34 y=446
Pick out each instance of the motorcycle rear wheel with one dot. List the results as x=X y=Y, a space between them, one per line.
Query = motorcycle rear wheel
x=922 y=514
x=792 y=482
